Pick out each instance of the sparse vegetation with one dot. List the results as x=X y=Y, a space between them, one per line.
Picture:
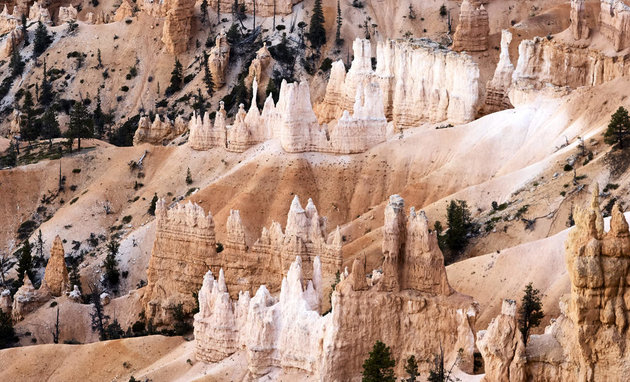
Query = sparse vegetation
x=379 y=366
x=530 y=313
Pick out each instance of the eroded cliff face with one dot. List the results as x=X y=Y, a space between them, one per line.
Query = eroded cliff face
x=589 y=340
x=614 y=22
x=183 y=251
x=497 y=88
x=158 y=132
x=290 y=334
x=27 y=298
x=264 y=8
x=177 y=25
x=420 y=82
x=473 y=29
x=218 y=59
x=579 y=24
x=56 y=273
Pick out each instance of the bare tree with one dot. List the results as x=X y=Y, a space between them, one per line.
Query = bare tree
x=55 y=330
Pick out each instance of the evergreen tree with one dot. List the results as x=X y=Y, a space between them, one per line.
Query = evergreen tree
x=207 y=75
x=16 y=64
x=200 y=103
x=114 y=331
x=379 y=367
x=317 y=32
x=411 y=368
x=50 y=125
x=112 y=275
x=24 y=30
x=42 y=39
x=154 y=201
x=47 y=95
x=98 y=117
x=618 y=128
x=28 y=127
x=459 y=225
x=7 y=332
x=530 y=312
x=10 y=159
x=189 y=179
x=25 y=263
x=98 y=59
x=39 y=246
x=177 y=78
x=98 y=316
x=204 y=11
x=81 y=124
x=338 y=39
x=75 y=277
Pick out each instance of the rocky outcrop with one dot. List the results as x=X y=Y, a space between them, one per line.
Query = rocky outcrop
x=178 y=24
x=219 y=59
x=66 y=14
x=502 y=347
x=204 y=134
x=99 y=17
x=56 y=274
x=420 y=81
x=497 y=88
x=39 y=13
x=289 y=333
x=261 y=70
x=473 y=29
x=543 y=62
x=124 y=11
x=183 y=251
x=8 y=21
x=27 y=298
x=579 y=25
x=6 y=303
x=13 y=41
x=160 y=131
x=293 y=122
x=614 y=22
x=264 y=8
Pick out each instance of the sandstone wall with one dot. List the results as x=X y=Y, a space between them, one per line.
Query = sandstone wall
x=264 y=8
x=177 y=26
x=218 y=59
x=579 y=24
x=614 y=22
x=473 y=29
x=497 y=88
x=289 y=333
x=159 y=131
x=420 y=82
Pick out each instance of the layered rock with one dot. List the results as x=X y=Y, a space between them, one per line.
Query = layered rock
x=183 y=251
x=27 y=299
x=502 y=347
x=125 y=10
x=56 y=273
x=8 y=21
x=543 y=62
x=497 y=89
x=579 y=26
x=218 y=59
x=473 y=29
x=204 y=134
x=177 y=26
x=13 y=41
x=100 y=17
x=614 y=22
x=66 y=14
x=160 y=131
x=264 y=8
x=420 y=81
x=293 y=122
x=6 y=303
x=260 y=70
x=290 y=334
x=39 y=13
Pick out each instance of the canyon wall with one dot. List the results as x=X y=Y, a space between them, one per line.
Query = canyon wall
x=497 y=88
x=185 y=249
x=473 y=29
x=159 y=131
x=420 y=80
x=177 y=26
x=614 y=22
x=579 y=24
x=289 y=332
x=264 y=8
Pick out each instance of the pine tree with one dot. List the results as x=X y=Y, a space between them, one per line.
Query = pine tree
x=42 y=39
x=177 y=77
x=204 y=11
x=50 y=125
x=207 y=75
x=47 y=95
x=411 y=368
x=189 y=179
x=458 y=220
x=317 y=32
x=112 y=275
x=98 y=59
x=154 y=201
x=530 y=312
x=75 y=277
x=16 y=64
x=98 y=316
x=25 y=263
x=338 y=39
x=81 y=124
x=39 y=246
x=7 y=332
x=379 y=367
x=24 y=30
x=98 y=117
x=200 y=103
x=618 y=128
x=28 y=127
